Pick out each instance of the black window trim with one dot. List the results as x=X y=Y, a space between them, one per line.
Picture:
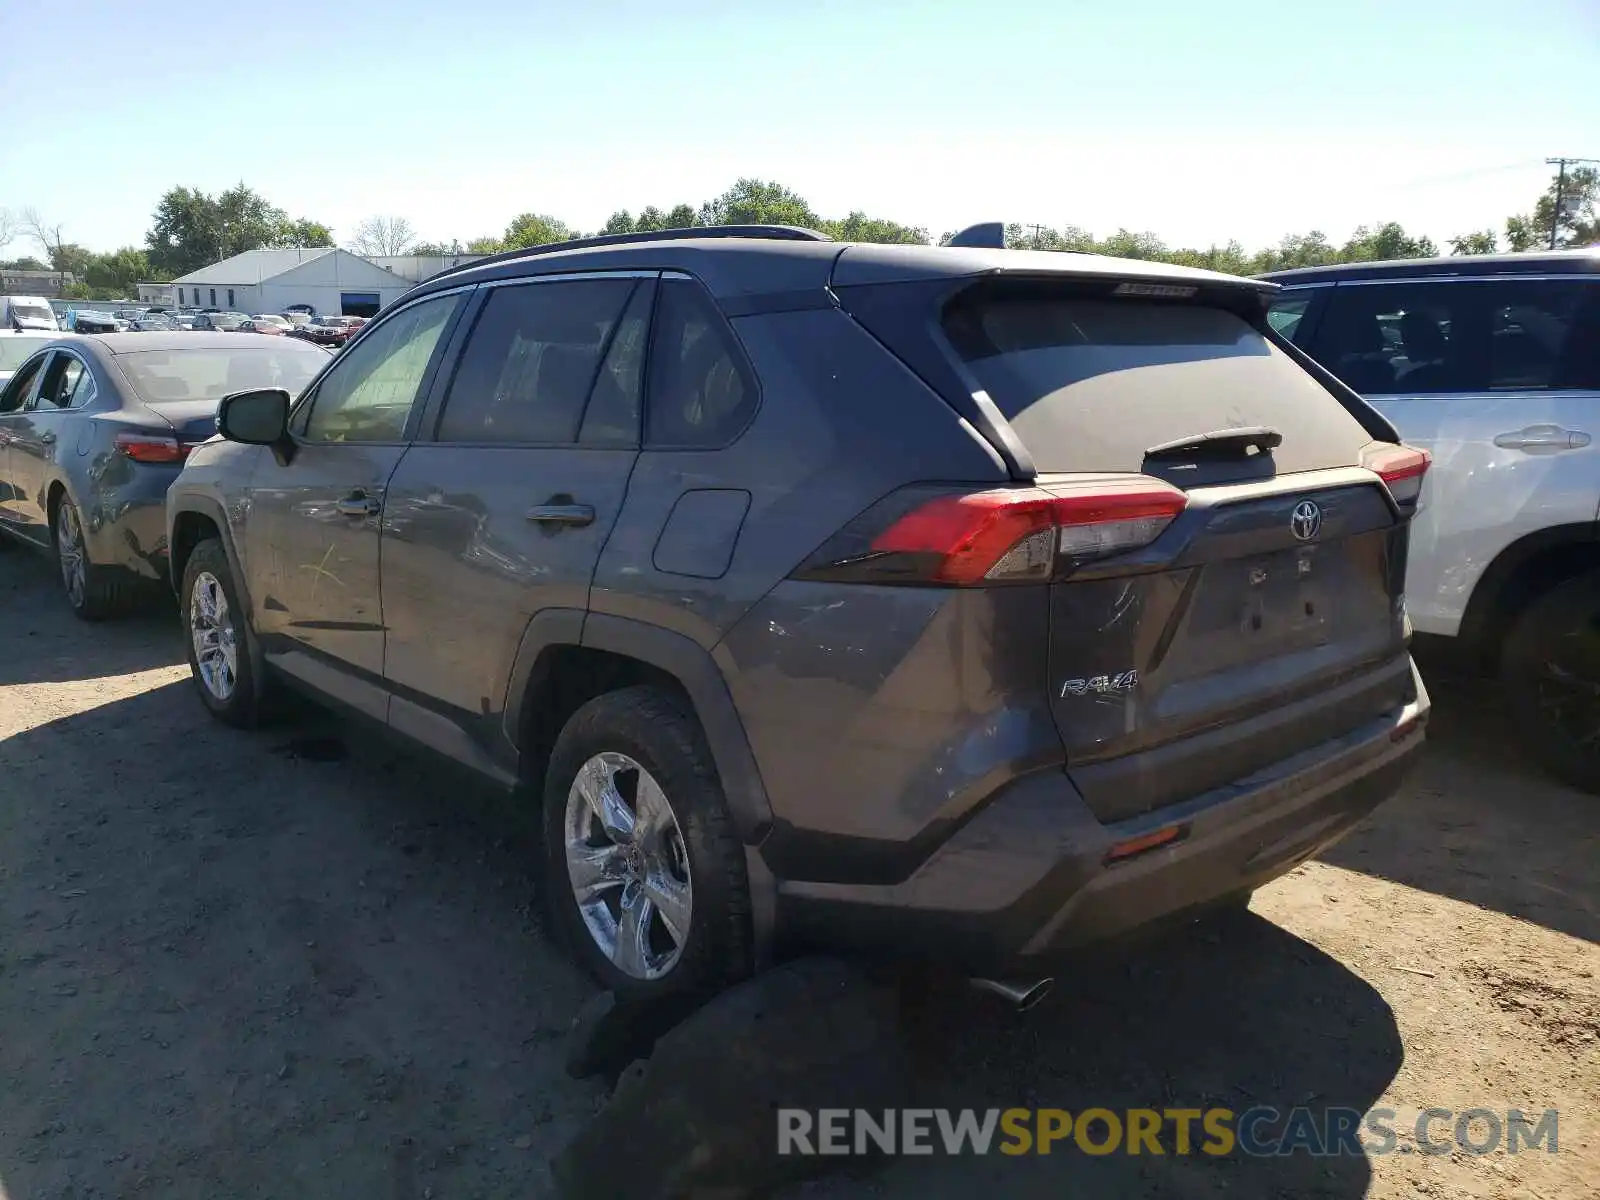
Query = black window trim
x=433 y=412
x=300 y=410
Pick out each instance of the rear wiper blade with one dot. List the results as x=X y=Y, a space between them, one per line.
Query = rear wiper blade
x=1219 y=443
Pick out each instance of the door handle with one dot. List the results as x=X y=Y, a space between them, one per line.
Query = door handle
x=562 y=514
x=1535 y=438
x=357 y=506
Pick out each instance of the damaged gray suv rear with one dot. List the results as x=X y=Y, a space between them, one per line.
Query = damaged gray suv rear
x=951 y=602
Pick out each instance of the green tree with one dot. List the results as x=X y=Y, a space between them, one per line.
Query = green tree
x=117 y=274
x=1388 y=240
x=535 y=229
x=485 y=245
x=1578 y=223
x=77 y=291
x=1479 y=241
x=191 y=229
x=758 y=202
x=72 y=258
x=431 y=250
x=858 y=227
x=26 y=263
x=1297 y=250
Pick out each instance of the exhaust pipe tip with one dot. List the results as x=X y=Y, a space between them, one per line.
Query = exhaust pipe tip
x=1022 y=995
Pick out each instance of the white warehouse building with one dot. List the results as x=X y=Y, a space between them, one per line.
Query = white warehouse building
x=334 y=282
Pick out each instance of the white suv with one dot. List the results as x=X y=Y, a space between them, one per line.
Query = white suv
x=1493 y=365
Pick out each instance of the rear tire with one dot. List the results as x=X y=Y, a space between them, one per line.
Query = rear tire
x=93 y=593
x=216 y=640
x=614 y=845
x=1550 y=669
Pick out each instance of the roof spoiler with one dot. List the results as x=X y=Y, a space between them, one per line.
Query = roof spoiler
x=991 y=235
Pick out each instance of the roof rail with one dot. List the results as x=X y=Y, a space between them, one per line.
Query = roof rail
x=788 y=233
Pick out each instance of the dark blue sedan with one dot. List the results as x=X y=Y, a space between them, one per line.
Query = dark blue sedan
x=93 y=430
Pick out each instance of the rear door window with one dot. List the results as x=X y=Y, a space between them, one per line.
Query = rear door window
x=1468 y=336
x=532 y=358
x=1091 y=384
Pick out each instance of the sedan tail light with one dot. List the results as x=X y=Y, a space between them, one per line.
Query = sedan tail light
x=151 y=448
x=1003 y=535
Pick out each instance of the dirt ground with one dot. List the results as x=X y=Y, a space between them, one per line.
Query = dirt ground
x=295 y=963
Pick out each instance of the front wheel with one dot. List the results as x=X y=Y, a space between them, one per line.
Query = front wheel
x=213 y=619
x=644 y=875
x=1550 y=667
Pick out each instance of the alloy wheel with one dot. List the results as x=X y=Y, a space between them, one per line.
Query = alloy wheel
x=71 y=556
x=216 y=655
x=628 y=866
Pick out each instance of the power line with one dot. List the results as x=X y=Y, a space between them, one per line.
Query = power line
x=1561 y=183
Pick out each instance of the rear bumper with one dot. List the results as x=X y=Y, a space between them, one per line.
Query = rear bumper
x=126 y=528
x=1028 y=876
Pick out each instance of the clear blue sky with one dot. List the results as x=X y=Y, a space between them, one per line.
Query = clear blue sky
x=1198 y=121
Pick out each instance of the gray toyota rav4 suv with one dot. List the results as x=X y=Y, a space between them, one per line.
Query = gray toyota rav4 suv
x=945 y=601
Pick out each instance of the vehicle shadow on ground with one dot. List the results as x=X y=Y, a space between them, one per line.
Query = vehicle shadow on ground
x=38 y=646
x=1482 y=823
x=268 y=963
x=1230 y=1013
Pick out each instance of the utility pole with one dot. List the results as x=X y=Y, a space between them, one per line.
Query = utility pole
x=1038 y=234
x=1561 y=184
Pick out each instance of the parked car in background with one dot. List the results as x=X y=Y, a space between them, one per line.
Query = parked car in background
x=91 y=320
x=298 y=320
x=1493 y=364
x=225 y=322
x=94 y=429
x=15 y=347
x=300 y=314
x=1091 y=617
x=183 y=320
x=266 y=323
x=330 y=331
x=19 y=313
x=152 y=322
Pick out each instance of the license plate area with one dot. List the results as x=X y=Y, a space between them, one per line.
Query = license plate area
x=1288 y=598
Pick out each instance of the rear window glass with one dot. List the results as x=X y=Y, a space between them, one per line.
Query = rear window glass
x=202 y=374
x=1090 y=384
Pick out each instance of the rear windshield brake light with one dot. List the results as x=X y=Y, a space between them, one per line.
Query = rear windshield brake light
x=1004 y=535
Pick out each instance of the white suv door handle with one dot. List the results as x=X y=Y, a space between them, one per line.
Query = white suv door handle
x=1535 y=438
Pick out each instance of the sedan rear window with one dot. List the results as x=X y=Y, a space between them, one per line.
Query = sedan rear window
x=211 y=374
x=1091 y=384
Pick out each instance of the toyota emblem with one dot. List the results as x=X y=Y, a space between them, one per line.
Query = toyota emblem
x=1306 y=520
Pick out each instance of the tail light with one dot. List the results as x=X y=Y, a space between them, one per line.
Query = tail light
x=1007 y=535
x=1402 y=468
x=152 y=448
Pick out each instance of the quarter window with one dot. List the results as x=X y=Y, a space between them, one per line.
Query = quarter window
x=367 y=396
x=534 y=355
x=701 y=392
x=1286 y=313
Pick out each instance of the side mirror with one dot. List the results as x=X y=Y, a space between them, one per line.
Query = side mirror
x=255 y=418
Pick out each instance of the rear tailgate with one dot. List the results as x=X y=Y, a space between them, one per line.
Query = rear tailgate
x=1268 y=616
